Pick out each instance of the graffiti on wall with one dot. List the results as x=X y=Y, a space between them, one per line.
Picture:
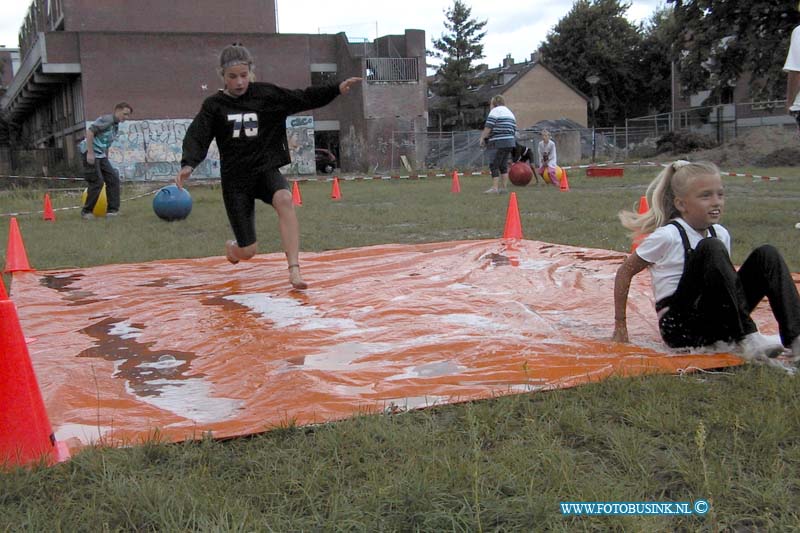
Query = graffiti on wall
x=300 y=136
x=152 y=149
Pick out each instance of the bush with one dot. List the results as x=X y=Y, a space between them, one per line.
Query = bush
x=681 y=142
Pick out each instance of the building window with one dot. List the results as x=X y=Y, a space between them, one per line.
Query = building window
x=323 y=78
x=726 y=95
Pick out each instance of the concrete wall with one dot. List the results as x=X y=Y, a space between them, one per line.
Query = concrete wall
x=540 y=95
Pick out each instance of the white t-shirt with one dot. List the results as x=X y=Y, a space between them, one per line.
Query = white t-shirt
x=664 y=249
x=547 y=151
x=793 y=60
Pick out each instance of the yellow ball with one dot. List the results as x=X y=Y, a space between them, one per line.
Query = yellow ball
x=101 y=206
x=559 y=174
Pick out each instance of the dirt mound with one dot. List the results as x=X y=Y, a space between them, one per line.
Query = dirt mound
x=764 y=146
x=782 y=157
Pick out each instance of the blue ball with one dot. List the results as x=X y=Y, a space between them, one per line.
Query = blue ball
x=172 y=203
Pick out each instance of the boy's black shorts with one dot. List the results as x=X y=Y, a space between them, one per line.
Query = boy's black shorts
x=240 y=201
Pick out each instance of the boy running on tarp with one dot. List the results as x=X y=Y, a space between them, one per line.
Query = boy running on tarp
x=248 y=121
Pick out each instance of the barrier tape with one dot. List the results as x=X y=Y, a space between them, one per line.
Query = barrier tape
x=755 y=177
x=18 y=213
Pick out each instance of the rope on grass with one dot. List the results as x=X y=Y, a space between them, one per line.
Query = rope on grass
x=41 y=211
x=62 y=178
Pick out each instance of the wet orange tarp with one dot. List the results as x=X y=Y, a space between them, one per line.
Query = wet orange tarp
x=199 y=345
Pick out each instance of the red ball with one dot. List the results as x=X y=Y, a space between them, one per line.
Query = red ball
x=520 y=173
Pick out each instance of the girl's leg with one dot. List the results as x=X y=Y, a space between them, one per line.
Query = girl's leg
x=535 y=174
x=240 y=208
x=290 y=235
x=554 y=176
x=709 y=304
x=764 y=273
x=491 y=154
x=504 y=161
x=111 y=179
x=94 y=180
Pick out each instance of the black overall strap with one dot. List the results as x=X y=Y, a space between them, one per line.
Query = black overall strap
x=687 y=248
x=687 y=252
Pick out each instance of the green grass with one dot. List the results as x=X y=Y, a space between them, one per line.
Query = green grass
x=732 y=438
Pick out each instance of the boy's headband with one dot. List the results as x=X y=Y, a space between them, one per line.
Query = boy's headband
x=679 y=163
x=235 y=62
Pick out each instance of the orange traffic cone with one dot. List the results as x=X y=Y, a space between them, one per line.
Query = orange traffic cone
x=3 y=293
x=297 y=198
x=643 y=208
x=27 y=436
x=564 y=181
x=48 y=209
x=16 y=258
x=513 y=229
x=336 y=194
x=455 y=186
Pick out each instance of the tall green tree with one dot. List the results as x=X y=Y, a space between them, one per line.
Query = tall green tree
x=458 y=49
x=654 y=61
x=718 y=41
x=596 y=38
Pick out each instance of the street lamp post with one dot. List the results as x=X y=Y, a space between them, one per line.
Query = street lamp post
x=592 y=80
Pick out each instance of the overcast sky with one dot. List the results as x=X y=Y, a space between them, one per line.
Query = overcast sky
x=515 y=27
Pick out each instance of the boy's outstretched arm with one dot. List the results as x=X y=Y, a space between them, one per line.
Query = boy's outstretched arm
x=622 y=284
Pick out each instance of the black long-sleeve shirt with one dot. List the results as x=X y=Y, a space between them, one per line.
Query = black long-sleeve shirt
x=250 y=130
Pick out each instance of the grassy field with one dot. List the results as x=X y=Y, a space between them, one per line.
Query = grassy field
x=732 y=438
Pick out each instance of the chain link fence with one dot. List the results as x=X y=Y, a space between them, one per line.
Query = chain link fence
x=637 y=139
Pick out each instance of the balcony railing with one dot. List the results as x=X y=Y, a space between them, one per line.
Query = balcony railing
x=392 y=69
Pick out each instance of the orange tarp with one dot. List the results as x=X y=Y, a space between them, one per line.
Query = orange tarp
x=198 y=345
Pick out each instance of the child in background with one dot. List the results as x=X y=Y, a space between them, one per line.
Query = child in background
x=700 y=298
x=548 y=158
x=524 y=154
x=98 y=169
x=248 y=120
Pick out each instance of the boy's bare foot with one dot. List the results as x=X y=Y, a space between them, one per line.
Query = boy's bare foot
x=229 y=246
x=295 y=278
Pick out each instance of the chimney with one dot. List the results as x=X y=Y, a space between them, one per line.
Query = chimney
x=508 y=61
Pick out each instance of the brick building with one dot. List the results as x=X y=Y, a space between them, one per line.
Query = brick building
x=532 y=90
x=79 y=58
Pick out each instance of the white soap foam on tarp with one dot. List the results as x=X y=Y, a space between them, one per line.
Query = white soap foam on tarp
x=535 y=264
x=165 y=362
x=190 y=398
x=125 y=330
x=288 y=312
x=429 y=370
x=343 y=356
x=87 y=434
x=460 y=286
x=412 y=402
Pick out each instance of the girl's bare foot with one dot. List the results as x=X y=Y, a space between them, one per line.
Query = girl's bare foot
x=295 y=278
x=229 y=247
